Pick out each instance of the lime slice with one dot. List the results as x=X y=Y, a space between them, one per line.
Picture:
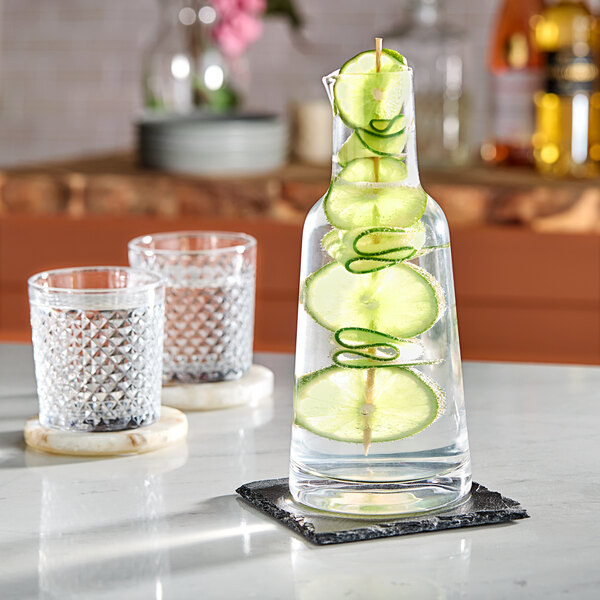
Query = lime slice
x=353 y=205
x=352 y=149
x=362 y=94
x=365 y=63
x=394 y=54
x=332 y=403
x=374 y=170
x=364 y=194
x=402 y=300
x=383 y=145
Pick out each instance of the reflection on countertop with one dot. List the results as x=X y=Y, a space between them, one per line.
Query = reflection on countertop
x=169 y=525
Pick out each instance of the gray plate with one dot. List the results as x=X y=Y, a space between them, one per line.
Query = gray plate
x=198 y=144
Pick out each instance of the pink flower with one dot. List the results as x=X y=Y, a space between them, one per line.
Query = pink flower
x=237 y=33
x=253 y=6
x=229 y=41
x=247 y=26
x=238 y=24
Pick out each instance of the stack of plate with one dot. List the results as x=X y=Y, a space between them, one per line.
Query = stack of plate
x=213 y=145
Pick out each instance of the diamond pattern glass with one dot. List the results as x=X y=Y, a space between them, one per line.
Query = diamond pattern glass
x=209 y=301
x=97 y=352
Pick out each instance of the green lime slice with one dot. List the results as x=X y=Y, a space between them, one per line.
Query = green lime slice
x=365 y=194
x=374 y=170
x=394 y=54
x=362 y=94
x=332 y=403
x=383 y=145
x=402 y=300
x=353 y=205
x=365 y=62
x=352 y=149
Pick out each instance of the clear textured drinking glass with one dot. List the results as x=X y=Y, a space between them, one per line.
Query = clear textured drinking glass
x=210 y=278
x=97 y=343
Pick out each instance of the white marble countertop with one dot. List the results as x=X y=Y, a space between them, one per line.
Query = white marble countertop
x=169 y=525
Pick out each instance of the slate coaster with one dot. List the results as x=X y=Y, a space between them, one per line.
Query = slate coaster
x=272 y=497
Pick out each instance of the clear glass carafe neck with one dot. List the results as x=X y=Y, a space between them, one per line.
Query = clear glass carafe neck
x=397 y=141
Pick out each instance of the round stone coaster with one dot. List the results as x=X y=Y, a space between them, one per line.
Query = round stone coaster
x=256 y=384
x=171 y=428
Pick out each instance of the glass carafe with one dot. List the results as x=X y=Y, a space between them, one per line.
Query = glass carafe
x=379 y=417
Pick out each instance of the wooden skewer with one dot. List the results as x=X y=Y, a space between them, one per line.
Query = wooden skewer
x=370 y=383
x=367 y=432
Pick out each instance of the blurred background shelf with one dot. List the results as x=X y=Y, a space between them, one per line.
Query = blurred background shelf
x=115 y=184
x=526 y=249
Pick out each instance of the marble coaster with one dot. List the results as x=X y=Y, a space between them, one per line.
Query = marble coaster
x=171 y=428
x=255 y=384
x=272 y=497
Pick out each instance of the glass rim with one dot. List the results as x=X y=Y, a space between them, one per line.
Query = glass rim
x=153 y=282
x=137 y=244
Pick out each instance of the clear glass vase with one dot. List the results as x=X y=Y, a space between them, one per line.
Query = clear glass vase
x=441 y=97
x=379 y=417
x=184 y=69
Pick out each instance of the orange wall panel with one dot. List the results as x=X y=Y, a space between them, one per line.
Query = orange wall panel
x=520 y=295
x=518 y=333
x=518 y=264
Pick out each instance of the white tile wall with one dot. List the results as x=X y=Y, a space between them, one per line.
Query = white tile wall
x=70 y=69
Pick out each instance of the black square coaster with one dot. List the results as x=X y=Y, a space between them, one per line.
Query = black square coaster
x=272 y=496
